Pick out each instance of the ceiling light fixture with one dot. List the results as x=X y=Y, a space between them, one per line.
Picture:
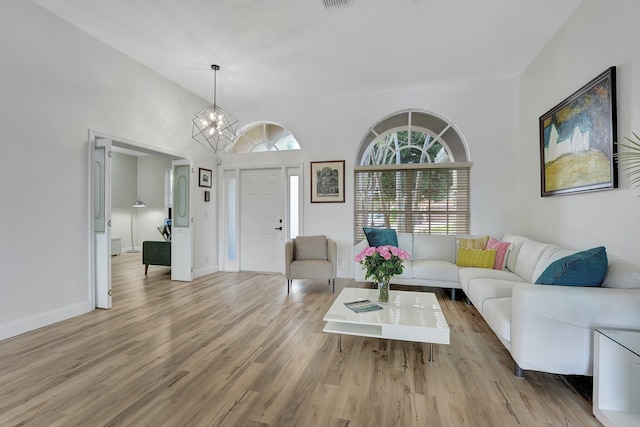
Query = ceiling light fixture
x=213 y=128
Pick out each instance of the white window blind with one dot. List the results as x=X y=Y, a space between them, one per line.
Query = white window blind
x=413 y=198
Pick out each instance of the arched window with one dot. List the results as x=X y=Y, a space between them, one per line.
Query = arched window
x=264 y=136
x=413 y=176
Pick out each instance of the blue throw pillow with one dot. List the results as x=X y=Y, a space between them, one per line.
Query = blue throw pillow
x=586 y=268
x=381 y=236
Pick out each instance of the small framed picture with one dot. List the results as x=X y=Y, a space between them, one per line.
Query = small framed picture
x=327 y=182
x=207 y=196
x=205 y=178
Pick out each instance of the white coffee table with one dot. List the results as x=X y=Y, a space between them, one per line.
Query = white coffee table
x=409 y=316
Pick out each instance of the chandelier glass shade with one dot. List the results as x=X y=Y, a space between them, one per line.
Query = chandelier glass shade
x=213 y=128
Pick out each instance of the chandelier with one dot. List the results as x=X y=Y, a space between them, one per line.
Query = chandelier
x=213 y=128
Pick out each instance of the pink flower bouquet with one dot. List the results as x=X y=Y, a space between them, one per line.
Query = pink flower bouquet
x=382 y=262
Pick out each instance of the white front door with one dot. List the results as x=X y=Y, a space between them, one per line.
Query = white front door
x=262 y=220
x=181 y=222
x=101 y=168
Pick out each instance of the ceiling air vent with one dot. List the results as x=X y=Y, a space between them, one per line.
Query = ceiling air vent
x=337 y=3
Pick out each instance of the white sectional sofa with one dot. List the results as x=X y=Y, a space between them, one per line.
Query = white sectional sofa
x=546 y=328
x=549 y=328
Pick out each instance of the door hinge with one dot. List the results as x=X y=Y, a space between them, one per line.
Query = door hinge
x=110 y=293
x=109 y=223
x=109 y=154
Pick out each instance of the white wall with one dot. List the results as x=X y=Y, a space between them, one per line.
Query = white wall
x=150 y=187
x=124 y=176
x=205 y=216
x=599 y=34
x=331 y=128
x=133 y=177
x=56 y=83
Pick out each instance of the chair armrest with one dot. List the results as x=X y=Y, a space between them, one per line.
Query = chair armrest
x=332 y=255
x=288 y=258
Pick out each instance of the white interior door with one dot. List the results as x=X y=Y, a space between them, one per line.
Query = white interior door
x=182 y=222
x=102 y=221
x=262 y=220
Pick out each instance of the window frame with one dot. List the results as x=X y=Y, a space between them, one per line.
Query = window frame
x=410 y=200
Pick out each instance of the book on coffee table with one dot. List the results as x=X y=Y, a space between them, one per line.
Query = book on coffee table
x=362 y=306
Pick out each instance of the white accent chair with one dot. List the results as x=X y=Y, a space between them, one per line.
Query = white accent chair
x=311 y=257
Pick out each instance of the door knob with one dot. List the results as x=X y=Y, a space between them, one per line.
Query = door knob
x=278 y=228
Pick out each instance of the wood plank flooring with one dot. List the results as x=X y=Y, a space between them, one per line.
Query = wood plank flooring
x=234 y=349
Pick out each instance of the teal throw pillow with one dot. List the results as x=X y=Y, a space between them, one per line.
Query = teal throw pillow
x=381 y=236
x=586 y=268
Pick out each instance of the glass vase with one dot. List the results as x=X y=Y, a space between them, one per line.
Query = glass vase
x=383 y=287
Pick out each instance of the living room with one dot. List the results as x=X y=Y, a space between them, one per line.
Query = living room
x=69 y=82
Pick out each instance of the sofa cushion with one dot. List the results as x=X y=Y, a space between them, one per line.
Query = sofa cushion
x=311 y=268
x=405 y=242
x=497 y=313
x=434 y=246
x=585 y=268
x=516 y=243
x=502 y=249
x=381 y=236
x=433 y=269
x=482 y=258
x=311 y=247
x=465 y=275
x=480 y=290
x=551 y=253
x=407 y=270
x=528 y=257
x=472 y=242
x=622 y=274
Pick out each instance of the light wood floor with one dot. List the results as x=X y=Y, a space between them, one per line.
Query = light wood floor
x=233 y=349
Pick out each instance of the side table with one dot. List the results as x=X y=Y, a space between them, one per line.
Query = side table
x=616 y=377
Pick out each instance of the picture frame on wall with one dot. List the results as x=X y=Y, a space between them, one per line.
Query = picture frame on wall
x=205 y=177
x=577 y=140
x=327 y=182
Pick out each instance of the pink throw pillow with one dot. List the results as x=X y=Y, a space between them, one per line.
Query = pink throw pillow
x=502 y=248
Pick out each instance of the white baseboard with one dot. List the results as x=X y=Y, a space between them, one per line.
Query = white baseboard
x=36 y=321
x=204 y=271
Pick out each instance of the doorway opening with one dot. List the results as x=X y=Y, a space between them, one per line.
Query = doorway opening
x=124 y=173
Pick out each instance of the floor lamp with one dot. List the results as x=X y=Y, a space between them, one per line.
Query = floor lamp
x=137 y=204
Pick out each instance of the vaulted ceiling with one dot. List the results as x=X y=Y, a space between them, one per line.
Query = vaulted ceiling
x=289 y=49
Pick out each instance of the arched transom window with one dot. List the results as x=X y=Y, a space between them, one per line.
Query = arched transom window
x=264 y=136
x=413 y=176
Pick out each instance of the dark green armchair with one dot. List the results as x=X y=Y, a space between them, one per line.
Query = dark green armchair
x=156 y=253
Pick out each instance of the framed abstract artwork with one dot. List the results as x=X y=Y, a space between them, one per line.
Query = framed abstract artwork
x=327 y=182
x=577 y=140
